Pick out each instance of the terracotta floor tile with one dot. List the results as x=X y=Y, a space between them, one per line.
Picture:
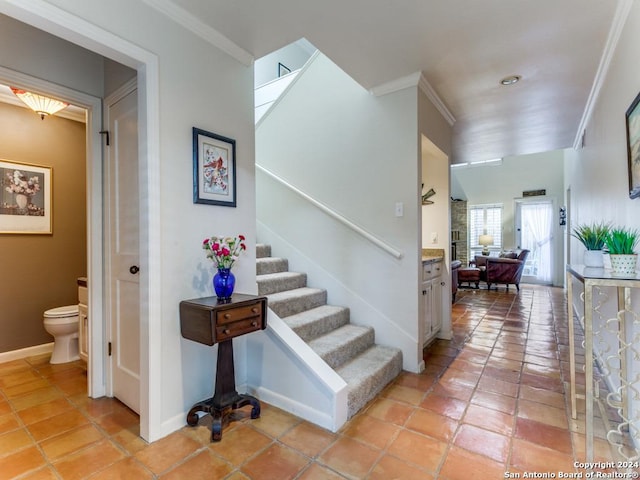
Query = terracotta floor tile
x=161 y=455
x=540 y=381
x=24 y=388
x=129 y=468
x=36 y=397
x=274 y=422
x=389 y=410
x=542 y=413
x=130 y=439
x=121 y=419
x=544 y=435
x=203 y=466
x=20 y=462
x=469 y=379
x=495 y=401
x=9 y=422
x=45 y=473
x=540 y=395
x=447 y=406
x=432 y=424
x=277 y=461
x=5 y=408
x=240 y=444
x=88 y=461
x=466 y=366
x=97 y=407
x=460 y=464
x=308 y=439
x=57 y=424
x=371 y=431
x=419 y=450
x=318 y=472
x=69 y=442
x=11 y=380
x=493 y=385
x=73 y=386
x=454 y=390
x=532 y=457
x=45 y=410
x=483 y=442
x=14 y=440
x=391 y=468
x=507 y=375
x=420 y=381
x=350 y=457
x=489 y=419
x=401 y=393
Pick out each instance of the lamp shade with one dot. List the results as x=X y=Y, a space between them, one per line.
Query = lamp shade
x=485 y=240
x=39 y=104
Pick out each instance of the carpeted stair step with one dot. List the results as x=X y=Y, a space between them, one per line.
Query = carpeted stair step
x=295 y=301
x=263 y=250
x=280 y=282
x=267 y=265
x=343 y=344
x=368 y=373
x=318 y=321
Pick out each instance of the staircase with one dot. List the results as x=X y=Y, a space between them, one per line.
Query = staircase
x=349 y=349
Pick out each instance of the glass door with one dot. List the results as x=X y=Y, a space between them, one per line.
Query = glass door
x=534 y=232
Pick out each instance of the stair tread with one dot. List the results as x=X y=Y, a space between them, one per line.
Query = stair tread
x=313 y=314
x=366 y=364
x=278 y=275
x=296 y=292
x=338 y=337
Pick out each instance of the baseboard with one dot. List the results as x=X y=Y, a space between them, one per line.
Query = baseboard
x=26 y=352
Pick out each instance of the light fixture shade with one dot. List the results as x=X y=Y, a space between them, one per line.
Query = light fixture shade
x=39 y=104
x=485 y=240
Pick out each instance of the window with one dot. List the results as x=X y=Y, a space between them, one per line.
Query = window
x=484 y=219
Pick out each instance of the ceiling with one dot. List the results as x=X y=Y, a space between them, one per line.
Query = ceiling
x=462 y=48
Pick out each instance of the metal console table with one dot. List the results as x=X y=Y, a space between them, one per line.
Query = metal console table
x=613 y=361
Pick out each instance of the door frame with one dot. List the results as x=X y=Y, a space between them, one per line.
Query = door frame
x=72 y=28
x=554 y=234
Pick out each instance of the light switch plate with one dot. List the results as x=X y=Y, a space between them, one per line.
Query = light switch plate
x=399 y=209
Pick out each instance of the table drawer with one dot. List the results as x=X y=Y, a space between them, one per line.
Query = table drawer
x=239 y=313
x=235 y=329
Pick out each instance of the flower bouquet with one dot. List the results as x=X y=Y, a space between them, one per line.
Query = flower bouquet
x=223 y=252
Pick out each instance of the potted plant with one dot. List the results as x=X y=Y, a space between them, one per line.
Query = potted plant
x=593 y=237
x=621 y=243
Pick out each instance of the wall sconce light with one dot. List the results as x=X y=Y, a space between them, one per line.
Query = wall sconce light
x=41 y=105
x=485 y=241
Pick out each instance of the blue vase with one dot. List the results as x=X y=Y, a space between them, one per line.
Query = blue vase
x=223 y=283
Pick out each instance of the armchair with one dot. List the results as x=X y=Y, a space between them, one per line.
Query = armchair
x=506 y=268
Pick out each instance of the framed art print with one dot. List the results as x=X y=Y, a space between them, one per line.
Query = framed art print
x=25 y=198
x=214 y=169
x=632 y=117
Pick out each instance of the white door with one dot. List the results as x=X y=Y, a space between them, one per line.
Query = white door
x=534 y=232
x=123 y=265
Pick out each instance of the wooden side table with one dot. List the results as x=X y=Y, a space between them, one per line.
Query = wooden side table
x=209 y=321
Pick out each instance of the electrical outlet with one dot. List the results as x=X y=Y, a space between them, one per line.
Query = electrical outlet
x=399 y=209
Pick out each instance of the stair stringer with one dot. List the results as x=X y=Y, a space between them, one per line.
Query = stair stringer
x=361 y=312
x=285 y=372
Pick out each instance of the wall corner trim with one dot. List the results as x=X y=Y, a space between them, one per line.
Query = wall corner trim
x=201 y=29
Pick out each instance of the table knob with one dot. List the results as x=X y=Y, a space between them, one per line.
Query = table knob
x=254 y=324
x=226 y=331
x=227 y=316
x=254 y=310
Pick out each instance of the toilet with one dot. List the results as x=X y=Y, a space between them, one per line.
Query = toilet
x=62 y=323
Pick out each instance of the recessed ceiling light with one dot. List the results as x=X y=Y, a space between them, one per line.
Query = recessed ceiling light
x=510 y=80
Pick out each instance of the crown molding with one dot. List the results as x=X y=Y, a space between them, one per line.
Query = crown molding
x=431 y=94
x=415 y=80
x=201 y=29
x=619 y=20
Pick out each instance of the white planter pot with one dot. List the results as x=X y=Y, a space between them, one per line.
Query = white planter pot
x=593 y=259
x=624 y=265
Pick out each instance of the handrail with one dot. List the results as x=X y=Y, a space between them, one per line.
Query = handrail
x=335 y=215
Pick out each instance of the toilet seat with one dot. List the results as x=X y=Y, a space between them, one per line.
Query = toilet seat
x=61 y=312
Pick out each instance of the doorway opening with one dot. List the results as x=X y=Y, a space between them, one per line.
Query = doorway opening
x=534 y=232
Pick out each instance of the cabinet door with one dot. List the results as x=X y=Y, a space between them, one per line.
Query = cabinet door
x=83 y=332
x=436 y=305
x=427 y=308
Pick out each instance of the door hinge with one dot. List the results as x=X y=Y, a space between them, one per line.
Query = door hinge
x=106 y=133
x=109 y=348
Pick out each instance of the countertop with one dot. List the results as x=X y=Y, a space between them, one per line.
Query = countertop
x=432 y=255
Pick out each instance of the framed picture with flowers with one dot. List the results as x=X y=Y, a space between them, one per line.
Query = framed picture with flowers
x=25 y=198
x=214 y=169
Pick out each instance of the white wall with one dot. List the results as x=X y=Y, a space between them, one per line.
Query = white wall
x=359 y=155
x=505 y=183
x=293 y=56
x=198 y=86
x=597 y=174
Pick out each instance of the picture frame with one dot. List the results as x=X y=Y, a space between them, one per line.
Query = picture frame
x=214 y=169
x=283 y=70
x=26 y=198
x=632 y=118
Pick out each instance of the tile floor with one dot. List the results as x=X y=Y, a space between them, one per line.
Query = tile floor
x=490 y=401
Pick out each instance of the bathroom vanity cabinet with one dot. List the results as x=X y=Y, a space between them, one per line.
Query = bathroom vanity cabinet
x=432 y=298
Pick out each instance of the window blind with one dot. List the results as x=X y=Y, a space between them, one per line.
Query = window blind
x=485 y=219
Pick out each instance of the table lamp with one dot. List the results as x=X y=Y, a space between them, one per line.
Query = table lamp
x=485 y=241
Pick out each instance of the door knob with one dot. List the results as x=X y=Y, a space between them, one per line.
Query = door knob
x=133 y=269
